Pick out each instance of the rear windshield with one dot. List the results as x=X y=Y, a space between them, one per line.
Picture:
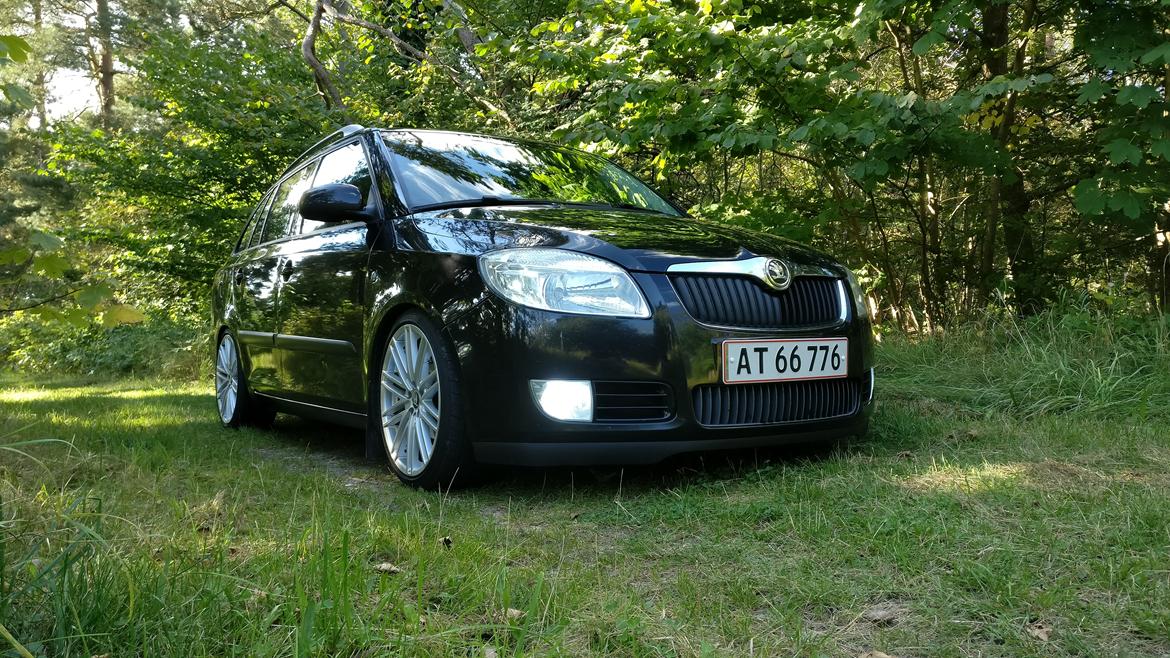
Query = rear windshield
x=441 y=169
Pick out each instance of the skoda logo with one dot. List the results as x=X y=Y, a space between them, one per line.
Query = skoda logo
x=776 y=274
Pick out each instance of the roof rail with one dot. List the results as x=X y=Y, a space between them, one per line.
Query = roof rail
x=336 y=135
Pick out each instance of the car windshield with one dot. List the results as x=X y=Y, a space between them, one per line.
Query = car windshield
x=436 y=170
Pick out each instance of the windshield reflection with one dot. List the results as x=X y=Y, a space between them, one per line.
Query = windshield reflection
x=444 y=169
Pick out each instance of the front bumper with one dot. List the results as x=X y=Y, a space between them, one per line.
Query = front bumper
x=501 y=346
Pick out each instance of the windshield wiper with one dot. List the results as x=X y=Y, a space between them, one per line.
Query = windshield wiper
x=619 y=206
x=485 y=201
x=517 y=201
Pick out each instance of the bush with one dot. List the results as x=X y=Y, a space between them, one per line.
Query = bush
x=154 y=348
x=1071 y=359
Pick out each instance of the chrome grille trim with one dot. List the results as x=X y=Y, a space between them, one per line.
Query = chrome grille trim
x=740 y=302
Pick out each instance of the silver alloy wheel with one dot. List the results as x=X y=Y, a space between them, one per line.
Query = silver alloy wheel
x=410 y=400
x=227 y=380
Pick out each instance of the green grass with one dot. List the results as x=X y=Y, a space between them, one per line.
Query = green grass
x=972 y=521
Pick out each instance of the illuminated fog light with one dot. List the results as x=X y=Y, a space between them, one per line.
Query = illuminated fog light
x=564 y=399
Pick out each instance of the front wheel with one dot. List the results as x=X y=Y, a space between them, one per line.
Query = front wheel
x=416 y=407
x=237 y=406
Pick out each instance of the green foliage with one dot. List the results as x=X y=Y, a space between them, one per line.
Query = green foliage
x=111 y=348
x=14 y=49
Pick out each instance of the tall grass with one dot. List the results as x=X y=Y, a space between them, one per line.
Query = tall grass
x=1073 y=359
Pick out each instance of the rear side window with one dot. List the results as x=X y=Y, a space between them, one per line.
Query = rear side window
x=254 y=220
x=284 y=218
x=345 y=165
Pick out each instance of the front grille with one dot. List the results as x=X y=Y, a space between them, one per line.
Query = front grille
x=631 y=402
x=778 y=402
x=743 y=301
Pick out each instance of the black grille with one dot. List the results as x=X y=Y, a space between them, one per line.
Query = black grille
x=631 y=402
x=742 y=301
x=779 y=402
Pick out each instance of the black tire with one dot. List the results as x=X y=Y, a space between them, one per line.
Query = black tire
x=248 y=408
x=450 y=464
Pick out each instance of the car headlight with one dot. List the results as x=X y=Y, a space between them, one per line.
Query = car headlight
x=565 y=281
x=860 y=308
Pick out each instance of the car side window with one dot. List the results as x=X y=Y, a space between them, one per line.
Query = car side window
x=254 y=220
x=345 y=165
x=261 y=217
x=284 y=218
x=242 y=243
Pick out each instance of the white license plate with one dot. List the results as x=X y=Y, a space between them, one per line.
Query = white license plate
x=784 y=359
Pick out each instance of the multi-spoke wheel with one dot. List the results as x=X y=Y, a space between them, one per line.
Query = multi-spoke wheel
x=417 y=419
x=236 y=405
x=227 y=378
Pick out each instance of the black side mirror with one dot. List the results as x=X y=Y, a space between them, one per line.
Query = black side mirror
x=335 y=202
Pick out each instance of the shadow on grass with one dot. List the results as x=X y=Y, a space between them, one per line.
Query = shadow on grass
x=341 y=451
x=147 y=413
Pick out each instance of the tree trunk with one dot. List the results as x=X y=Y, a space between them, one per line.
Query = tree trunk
x=1009 y=192
x=325 y=86
x=1028 y=280
x=40 y=80
x=105 y=62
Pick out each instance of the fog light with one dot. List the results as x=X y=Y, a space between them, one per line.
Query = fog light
x=564 y=399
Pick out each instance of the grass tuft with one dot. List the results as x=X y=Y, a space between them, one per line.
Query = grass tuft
x=1070 y=360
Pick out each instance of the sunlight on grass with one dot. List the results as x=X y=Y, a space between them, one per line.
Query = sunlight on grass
x=950 y=477
x=26 y=395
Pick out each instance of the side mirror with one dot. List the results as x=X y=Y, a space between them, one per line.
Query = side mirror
x=335 y=202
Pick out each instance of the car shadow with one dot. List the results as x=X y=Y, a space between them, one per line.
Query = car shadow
x=345 y=447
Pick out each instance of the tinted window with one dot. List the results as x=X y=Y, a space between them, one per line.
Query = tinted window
x=261 y=217
x=254 y=219
x=439 y=168
x=345 y=165
x=284 y=219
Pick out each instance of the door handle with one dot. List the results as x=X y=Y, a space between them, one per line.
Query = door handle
x=287 y=270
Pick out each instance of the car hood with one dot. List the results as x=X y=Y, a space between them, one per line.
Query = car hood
x=639 y=241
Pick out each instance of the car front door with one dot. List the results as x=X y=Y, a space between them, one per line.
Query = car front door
x=322 y=307
x=254 y=293
x=258 y=282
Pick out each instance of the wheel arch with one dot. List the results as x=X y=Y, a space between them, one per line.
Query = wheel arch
x=384 y=322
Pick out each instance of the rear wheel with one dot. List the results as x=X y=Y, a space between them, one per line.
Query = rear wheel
x=237 y=406
x=416 y=407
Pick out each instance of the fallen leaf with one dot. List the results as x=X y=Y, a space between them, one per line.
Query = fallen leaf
x=874 y=654
x=506 y=616
x=489 y=651
x=446 y=541
x=964 y=435
x=885 y=614
x=574 y=516
x=1039 y=630
x=386 y=567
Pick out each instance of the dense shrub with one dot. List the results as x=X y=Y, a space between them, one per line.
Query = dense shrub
x=156 y=347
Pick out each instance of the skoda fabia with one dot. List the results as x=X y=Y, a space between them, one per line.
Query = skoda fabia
x=470 y=299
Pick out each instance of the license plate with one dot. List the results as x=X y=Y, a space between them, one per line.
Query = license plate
x=784 y=359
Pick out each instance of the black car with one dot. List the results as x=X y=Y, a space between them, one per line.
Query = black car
x=472 y=299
